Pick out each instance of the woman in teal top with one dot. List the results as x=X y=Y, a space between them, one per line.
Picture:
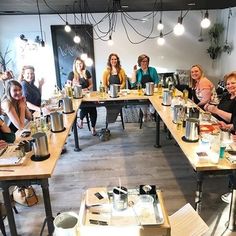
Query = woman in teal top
x=145 y=73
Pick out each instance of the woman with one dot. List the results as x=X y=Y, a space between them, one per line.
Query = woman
x=223 y=112
x=145 y=73
x=142 y=76
x=6 y=136
x=32 y=93
x=14 y=106
x=202 y=87
x=114 y=74
x=81 y=76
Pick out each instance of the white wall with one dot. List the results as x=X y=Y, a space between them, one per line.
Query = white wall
x=178 y=52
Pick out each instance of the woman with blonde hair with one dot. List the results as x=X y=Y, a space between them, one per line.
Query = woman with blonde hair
x=81 y=76
x=114 y=73
x=202 y=87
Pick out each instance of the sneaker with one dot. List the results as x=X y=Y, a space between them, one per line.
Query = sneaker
x=226 y=197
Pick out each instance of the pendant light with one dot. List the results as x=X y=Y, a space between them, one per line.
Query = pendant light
x=205 y=23
x=67 y=26
x=160 y=25
x=161 y=40
x=179 y=28
x=40 y=25
x=110 y=41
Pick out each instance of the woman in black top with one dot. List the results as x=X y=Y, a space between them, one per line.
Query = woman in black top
x=224 y=110
x=82 y=77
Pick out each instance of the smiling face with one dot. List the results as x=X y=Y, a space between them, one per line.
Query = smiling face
x=196 y=73
x=144 y=64
x=113 y=61
x=29 y=75
x=16 y=92
x=79 y=65
x=231 y=85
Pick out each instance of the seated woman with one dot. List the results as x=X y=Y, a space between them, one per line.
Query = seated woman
x=32 y=93
x=114 y=74
x=81 y=76
x=202 y=88
x=14 y=106
x=142 y=76
x=223 y=111
x=6 y=135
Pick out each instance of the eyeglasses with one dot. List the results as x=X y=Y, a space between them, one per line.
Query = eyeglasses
x=144 y=61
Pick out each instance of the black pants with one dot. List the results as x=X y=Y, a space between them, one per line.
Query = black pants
x=92 y=111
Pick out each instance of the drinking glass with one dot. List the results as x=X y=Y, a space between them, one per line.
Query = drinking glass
x=159 y=89
x=185 y=95
x=139 y=88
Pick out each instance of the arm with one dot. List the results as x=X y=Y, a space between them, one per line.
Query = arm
x=122 y=79
x=155 y=76
x=41 y=83
x=105 y=79
x=32 y=107
x=134 y=75
x=206 y=96
x=215 y=110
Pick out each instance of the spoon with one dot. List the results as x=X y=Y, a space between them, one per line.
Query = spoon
x=131 y=204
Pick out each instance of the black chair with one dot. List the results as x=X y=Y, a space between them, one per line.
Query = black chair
x=112 y=114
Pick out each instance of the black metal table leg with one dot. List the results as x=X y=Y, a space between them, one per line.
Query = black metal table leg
x=198 y=194
x=47 y=206
x=157 y=145
x=10 y=216
x=77 y=148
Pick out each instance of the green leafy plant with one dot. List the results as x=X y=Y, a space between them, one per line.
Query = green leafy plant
x=215 y=34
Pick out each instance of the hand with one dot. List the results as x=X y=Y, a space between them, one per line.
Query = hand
x=3 y=144
x=234 y=137
x=41 y=82
x=212 y=109
x=22 y=103
x=46 y=110
x=135 y=67
x=224 y=126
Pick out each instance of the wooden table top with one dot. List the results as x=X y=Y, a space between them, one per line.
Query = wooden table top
x=189 y=149
x=44 y=169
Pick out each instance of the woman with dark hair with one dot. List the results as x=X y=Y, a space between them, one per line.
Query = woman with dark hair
x=145 y=73
x=14 y=106
x=32 y=93
x=223 y=111
x=202 y=88
x=81 y=76
x=114 y=74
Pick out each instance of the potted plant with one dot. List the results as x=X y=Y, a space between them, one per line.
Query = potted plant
x=215 y=37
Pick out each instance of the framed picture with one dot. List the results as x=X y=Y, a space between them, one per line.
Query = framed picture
x=66 y=50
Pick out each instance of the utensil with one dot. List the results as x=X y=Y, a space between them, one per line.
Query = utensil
x=67 y=105
x=149 y=88
x=78 y=91
x=166 y=98
x=192 y=129
x=40 y=146
x=57 y=124
x=114 y=90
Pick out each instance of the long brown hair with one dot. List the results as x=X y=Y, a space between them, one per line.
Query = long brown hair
x=118 y=65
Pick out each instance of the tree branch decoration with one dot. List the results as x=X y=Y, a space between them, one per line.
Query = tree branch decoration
x=3 y=59
x=215 y=37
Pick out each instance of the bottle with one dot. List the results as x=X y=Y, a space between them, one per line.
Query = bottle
x=43 y=123
x=185 y=95
x=102 y=90
x=139 y=88
x=159 y=88
x=55 y=91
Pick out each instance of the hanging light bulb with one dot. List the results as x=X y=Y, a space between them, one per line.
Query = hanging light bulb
x=179 y=28
x=161 y=40
x=110 y=41
x=205 y=23
x=84 y=56
x=88 y=62
x=160 y=26
x=67 y=27
x=76 y=39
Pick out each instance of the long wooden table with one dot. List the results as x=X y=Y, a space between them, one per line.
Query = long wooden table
x=38 y=173
x=224 y=167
